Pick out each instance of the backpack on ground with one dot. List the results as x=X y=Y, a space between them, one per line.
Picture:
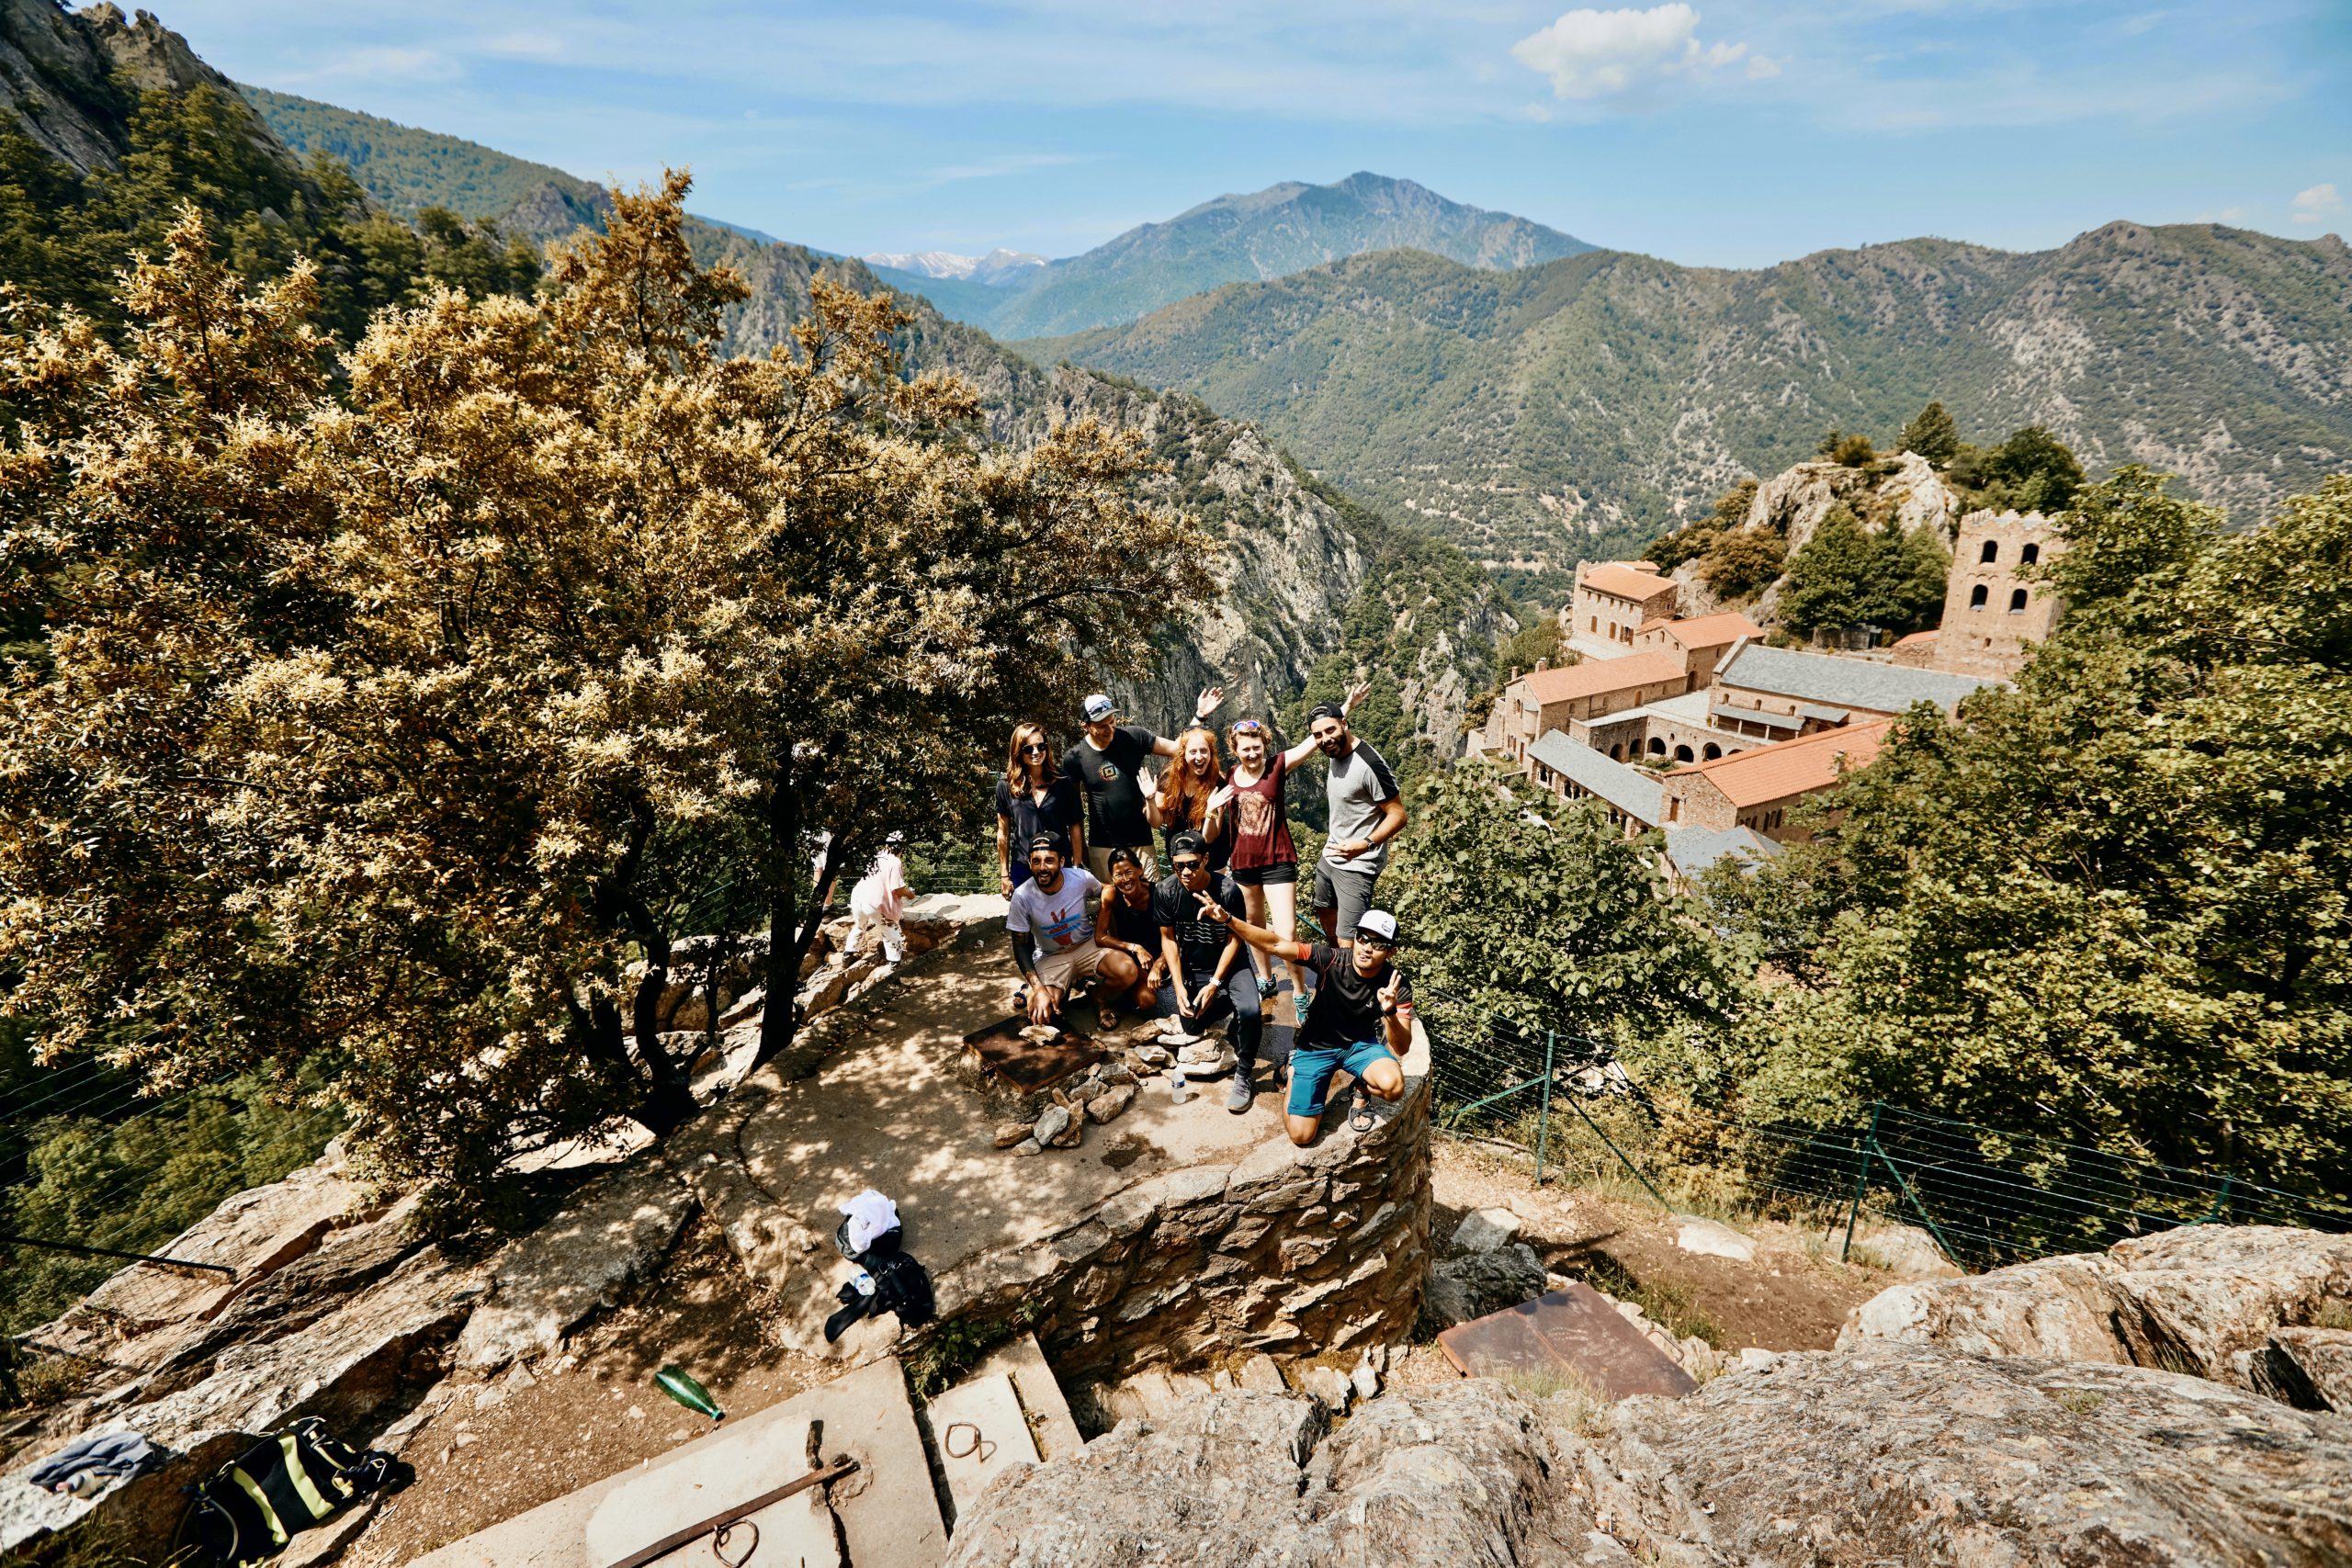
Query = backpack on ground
x=903 y=1286
x=251 y=1506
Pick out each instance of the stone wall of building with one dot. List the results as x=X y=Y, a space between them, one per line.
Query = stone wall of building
x=1292 y=1251
x=1994 y=611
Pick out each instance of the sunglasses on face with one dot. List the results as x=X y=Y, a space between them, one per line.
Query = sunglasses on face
x=1037 y=746
x=1186 y=864
x=1373 y=944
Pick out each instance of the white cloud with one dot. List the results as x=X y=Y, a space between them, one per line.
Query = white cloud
x=409 y=64
x=2225 y=214
x=1758 y=68
x=1598 y=55
x=2315 y=205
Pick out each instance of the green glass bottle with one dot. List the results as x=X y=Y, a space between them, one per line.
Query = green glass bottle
x=681 y=1386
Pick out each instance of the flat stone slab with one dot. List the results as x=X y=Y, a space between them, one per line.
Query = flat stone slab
x=890 y=1516
x=979 y=1431
x=1575 y=1330
x=1041 y=1400
x=1709 y=1239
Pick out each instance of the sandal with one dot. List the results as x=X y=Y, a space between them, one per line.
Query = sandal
x=1110 y=1019
x=1361 y=1119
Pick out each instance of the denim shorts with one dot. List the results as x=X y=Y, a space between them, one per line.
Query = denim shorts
x=1311 y=1071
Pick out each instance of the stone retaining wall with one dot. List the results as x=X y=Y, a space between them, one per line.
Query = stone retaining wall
x=1294 y=1251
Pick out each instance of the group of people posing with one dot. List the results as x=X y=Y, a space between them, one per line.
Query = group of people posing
x=1087 y=905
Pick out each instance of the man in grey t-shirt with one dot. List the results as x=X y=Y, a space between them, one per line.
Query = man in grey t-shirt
x=1366 y=812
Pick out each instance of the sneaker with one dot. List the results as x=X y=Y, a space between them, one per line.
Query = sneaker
x=1238 y=1092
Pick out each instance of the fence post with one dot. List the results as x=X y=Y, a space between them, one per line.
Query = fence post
x=1861 y=1179
x=2221 y=1201
x=1543 y=1112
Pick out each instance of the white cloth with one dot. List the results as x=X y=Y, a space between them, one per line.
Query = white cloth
x=869 y=1214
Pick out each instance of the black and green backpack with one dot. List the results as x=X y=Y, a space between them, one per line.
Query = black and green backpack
x=252 y=1506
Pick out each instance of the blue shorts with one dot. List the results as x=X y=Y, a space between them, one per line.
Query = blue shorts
x=1311 y=1071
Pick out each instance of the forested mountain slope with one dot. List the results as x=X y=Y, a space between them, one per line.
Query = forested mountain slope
x=1582 y=407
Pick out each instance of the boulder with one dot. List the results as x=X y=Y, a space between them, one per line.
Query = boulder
x=1905 y=1250
x=1483 y=1230
x=545 y=1285
x=1476 y=1283
x=2199 y=1298
x=1707 y=1238
x=1888 y=1453
x=1009 y=1132
x=1052 y=1122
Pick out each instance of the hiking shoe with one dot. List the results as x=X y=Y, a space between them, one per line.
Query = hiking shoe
x=1238 y=1092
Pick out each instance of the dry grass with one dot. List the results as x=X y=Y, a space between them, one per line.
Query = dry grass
x=1568 y=1400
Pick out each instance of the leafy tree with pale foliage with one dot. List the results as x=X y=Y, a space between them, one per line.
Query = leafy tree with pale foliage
x=2115 y=903
x=1849 y=574
x=385 y=734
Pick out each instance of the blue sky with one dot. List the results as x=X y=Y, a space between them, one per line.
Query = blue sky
x=1712 y=133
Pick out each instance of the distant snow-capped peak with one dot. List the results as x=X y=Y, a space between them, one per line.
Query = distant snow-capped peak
x=989 y=269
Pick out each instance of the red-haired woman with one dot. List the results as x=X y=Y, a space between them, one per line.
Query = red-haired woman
x=1189 y=798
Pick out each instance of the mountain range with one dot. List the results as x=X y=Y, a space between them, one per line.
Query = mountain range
x=1581 y=407
x=1266 y=234
x=1000 y=267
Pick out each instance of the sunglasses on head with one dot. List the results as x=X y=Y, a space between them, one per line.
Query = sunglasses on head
x=1249 y=727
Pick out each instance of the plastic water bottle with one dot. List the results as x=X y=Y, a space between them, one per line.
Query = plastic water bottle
x=1179 y=1088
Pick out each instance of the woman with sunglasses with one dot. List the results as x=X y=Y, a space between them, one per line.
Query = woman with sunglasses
x=1032 y=797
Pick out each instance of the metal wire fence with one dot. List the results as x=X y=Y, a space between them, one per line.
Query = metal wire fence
x=1986 y=1195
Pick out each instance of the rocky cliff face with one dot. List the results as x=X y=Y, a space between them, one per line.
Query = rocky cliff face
x=70 y=77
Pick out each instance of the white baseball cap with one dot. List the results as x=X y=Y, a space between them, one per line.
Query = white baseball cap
x=1379 y=924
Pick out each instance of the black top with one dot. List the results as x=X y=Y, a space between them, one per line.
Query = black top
x=1058 y=814
x=1114 y=817
x=1127 y=923
x=1346 y=1005
x=1200 y=942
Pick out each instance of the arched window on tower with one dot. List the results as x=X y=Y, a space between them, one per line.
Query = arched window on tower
x=1992 y=552
x=2016 y=601
x=2031 y=554
x=1977 y=596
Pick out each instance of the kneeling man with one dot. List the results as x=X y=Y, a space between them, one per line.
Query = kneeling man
x=1362 y=1019
x=1049 y=913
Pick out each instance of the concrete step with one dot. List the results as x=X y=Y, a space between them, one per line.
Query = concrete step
x=978 y=1432
x=1042 y=1401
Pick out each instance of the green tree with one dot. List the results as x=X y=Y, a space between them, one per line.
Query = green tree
x=1855 y=452
x=1547 y=916
x=1848 y=574
x=2032 y=471
x=1743 y=561
x=380 y=739
x=1932 y=434
x=2116 y=901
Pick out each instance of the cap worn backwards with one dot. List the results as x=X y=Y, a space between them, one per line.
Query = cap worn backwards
x=1187 y=843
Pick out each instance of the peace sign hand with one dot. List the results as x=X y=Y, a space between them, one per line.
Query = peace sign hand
x=1390 y=992
x=1213 y=911
x=1356 y=694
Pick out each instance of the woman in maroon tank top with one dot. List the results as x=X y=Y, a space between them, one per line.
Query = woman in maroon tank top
x=1258 y=823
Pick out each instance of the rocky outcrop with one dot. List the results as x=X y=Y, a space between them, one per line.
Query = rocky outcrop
x=1904 y=488
x=1886 y=1454
x=70 y=79
x=2200 y=1299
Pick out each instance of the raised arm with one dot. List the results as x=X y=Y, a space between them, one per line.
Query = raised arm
x=1211 y=699
x=1257 y=937
x=1306 y=749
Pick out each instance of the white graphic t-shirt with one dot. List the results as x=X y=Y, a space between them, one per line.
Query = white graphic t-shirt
x=1056 y=921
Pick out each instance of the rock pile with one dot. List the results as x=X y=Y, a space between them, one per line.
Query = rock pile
x=1891 y=1453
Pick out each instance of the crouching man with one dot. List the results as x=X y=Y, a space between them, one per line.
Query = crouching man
x=1049 y=913
x=1361 y=1021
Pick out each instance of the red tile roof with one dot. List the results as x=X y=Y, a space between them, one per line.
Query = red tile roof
x=1595 y=676
x=1720 y=630
x=1791 y=767
x=1622 y=582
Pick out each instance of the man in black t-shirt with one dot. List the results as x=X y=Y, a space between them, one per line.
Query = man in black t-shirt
x=1205 y=959
x=1108 y=763
x=1361 y=1023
